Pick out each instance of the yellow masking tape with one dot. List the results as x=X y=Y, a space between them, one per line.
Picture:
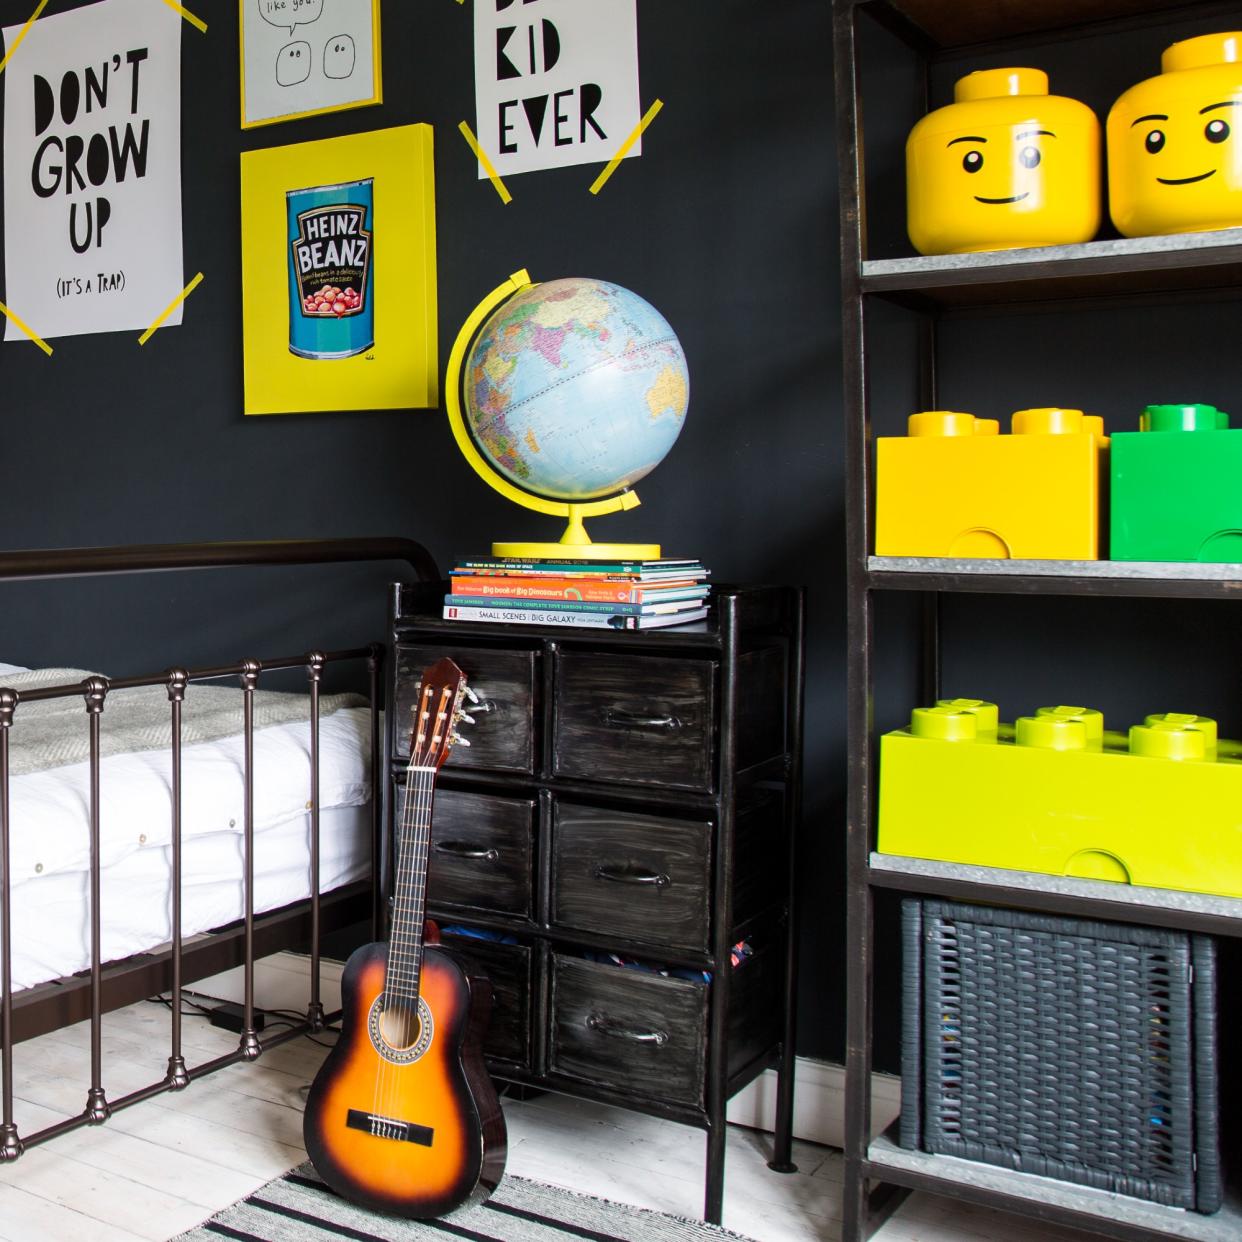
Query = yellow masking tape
x=30 y=21
x=34 y=336
x=189 y=17
x=488 y=167
x=172 y=306
x=623 y=150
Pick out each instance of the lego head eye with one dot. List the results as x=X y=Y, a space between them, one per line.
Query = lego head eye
x=1029 y=157
x=1154 y=141
x=1216 y=131
x=972 y=161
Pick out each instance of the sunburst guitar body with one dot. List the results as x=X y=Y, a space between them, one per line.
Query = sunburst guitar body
x=402 y=1117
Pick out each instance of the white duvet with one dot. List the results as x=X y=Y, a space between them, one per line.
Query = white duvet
x=50 y=840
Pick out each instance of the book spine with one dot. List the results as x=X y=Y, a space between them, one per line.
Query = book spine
x=546 y=588
x=543 y=605
x=533 y=616
x=614 y=568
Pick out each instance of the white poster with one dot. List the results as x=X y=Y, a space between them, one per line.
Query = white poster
x=306 y=56
x=92 y=169
x=555 y=81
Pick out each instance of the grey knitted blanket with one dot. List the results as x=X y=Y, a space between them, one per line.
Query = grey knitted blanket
x=55 y=732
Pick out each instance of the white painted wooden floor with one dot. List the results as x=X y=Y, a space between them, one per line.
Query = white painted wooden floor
x=162 y=1166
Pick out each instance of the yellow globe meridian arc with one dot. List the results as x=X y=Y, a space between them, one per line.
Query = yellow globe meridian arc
x=575 y=533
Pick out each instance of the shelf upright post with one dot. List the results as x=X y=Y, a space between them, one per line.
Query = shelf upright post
x=859 y=675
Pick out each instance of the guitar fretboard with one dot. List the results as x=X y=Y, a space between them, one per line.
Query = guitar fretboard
x=405 y=949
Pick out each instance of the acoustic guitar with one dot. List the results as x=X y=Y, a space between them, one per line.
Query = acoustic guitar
x=402 y=1116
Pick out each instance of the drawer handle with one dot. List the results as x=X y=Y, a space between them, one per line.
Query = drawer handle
x=460 y=849
x=617 y=1030
x=617 y=719
x=623 y=875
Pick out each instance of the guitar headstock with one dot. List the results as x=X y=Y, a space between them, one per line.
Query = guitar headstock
x=437 y=712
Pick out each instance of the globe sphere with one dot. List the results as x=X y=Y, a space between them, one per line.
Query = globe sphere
x=575 y=389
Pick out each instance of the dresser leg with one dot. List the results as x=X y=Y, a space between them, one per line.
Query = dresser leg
x=713 y=1201
x=782 y=1144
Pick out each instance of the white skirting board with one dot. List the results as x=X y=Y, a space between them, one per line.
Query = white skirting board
x=282 y=982
x=819 y=1102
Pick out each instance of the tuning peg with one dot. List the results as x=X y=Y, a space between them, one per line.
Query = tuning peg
x=470 y=694
x=467 y=719
x=458 y=740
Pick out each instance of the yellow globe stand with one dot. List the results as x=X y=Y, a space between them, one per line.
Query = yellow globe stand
x=575 y=543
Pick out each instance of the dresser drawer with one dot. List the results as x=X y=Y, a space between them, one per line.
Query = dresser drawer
x=628 y=1031
x=636 y=877
x=502 y=737
x=509 y=969
x=481 y=849
x=635 y=719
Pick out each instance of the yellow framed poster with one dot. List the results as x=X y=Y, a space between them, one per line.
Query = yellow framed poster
x=306 y=57
x=339 y=274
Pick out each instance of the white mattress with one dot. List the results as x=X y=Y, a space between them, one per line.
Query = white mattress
x=50 y=847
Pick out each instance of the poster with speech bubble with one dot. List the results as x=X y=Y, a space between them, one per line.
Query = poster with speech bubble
x=303 y=57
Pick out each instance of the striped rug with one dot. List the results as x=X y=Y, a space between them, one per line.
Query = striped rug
x=300 y=1208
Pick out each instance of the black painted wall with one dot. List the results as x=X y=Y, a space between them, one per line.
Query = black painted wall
x=727 y=224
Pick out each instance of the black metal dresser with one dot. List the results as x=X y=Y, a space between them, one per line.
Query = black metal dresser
x=623 y=817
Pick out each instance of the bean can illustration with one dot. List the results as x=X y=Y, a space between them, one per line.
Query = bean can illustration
x=331 y=280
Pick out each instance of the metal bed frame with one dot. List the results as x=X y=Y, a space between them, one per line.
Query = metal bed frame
x=109 y=986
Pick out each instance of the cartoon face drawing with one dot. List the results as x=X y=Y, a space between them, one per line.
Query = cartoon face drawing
x=1006 y=165
x=1174 y=156
x=293 y=63
x=338 y=56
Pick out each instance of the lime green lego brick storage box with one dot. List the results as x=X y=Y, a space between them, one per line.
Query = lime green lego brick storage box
x=1176 y=491
x=1058 y=793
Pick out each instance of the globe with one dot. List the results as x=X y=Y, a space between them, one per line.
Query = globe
x=575 y=389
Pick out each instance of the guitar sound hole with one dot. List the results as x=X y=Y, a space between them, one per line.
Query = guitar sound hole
x=399 y=1033
x=400 y=1028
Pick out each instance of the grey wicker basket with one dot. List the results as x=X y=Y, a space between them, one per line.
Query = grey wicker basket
x=1078 y=1050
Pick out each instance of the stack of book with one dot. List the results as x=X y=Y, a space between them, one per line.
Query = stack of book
x=613 y=595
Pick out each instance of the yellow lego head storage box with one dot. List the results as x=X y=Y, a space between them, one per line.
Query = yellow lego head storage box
x=1005 y=165
x=1174 y=156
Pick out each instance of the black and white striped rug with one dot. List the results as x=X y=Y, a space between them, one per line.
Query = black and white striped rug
x=300 y=1208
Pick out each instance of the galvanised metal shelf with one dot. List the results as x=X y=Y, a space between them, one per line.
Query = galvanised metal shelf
x=1160 y=579
x=1047 y=1199
x=1174 y=270
x=1055 y=894
x=1187 y=262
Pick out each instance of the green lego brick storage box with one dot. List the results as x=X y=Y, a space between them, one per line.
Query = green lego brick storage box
x=1176 y=487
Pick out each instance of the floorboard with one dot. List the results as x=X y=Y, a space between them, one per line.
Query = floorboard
x=160 y=1167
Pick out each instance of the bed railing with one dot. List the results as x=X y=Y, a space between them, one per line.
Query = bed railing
x=80 y=562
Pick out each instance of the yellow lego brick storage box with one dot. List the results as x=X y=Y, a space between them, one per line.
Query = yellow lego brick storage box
x=955 y=487
x=1058 y=793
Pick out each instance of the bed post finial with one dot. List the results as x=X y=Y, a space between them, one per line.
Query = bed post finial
x=95 y=690
x=178 y=679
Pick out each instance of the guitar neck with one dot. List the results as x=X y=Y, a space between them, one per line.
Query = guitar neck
x=405 y=951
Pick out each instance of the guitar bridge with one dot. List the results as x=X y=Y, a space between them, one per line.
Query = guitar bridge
x=389 y=1128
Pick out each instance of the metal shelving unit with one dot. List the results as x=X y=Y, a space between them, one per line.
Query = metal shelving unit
x=879 y=1173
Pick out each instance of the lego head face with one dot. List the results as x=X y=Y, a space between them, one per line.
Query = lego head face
x=1006 y=165
x=1175 y=143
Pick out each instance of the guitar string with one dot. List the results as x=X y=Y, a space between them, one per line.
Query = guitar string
x=406 y=943
x=392 y=968
x=411 y=945
x=422 y=845
x=386 y=1084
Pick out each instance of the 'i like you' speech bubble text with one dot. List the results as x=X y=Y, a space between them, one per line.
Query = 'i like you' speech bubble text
x=290 y=14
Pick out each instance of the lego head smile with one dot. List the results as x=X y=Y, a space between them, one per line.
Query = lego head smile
x=1005 y=165
x=1175 y=163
